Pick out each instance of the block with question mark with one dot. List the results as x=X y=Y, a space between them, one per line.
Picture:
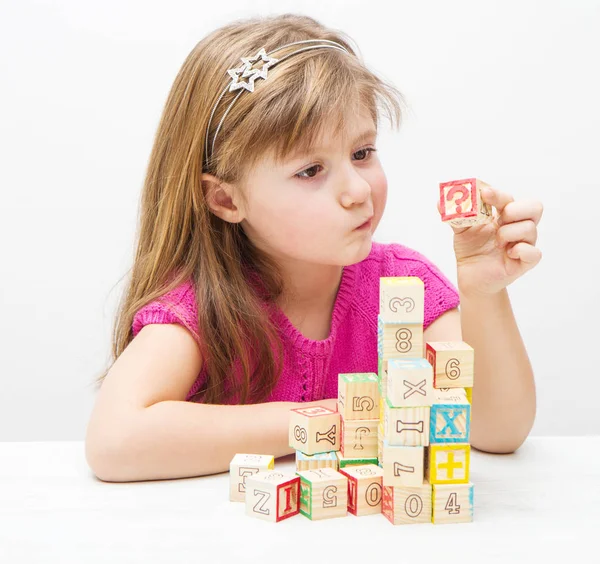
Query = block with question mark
x=359 y=437
x=461 y=204
x=314 y=429
x=401 y=298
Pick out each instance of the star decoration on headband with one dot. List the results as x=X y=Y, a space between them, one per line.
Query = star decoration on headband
x=247 y=71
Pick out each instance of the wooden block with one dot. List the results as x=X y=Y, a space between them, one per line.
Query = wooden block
x=399 y=340
x=461 y=204
x=453 y=363
x=452 y=503
x=358 y=395
x=323 y=494
x=403 y=465
x=364 y=489
x=407 y=505
x=449 y=463
x=407 y=426
x=242 y=466
x=450 y=419
x=314 y=429
x=380 y=440
x=344 y=461
x=402 y=299
x=450 y=395
x=359 y=438
x=469 y=392
x=272 y=496
x=313 y=461
x=410 y=382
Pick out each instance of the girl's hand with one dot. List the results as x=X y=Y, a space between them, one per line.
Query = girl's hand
x=492 y=255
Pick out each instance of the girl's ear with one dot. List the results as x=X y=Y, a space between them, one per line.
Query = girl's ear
x=221 y=198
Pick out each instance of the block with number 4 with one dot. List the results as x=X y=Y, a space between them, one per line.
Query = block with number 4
x=461 y=203
x=272 y=496
x=453 y=363
x=314 y=429
x=453 y=503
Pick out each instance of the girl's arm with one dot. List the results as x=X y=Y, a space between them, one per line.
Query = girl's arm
x=142 y=428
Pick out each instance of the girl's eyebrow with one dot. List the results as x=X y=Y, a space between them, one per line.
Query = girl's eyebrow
x=364 y=135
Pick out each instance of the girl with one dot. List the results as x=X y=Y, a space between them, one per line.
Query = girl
x=256 y=278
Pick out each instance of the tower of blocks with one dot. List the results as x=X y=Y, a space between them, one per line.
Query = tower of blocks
x=398 y=443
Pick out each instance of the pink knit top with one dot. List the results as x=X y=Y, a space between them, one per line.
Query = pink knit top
x=311 y=367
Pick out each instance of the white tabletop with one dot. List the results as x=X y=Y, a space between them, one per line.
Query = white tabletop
x=542 y=501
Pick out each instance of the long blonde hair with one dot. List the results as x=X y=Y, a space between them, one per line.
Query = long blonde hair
x=179 y=238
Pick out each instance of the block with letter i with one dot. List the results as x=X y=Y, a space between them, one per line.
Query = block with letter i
x=314 y=430
x=364 y=489
x=241 y=467
x=272 y=496
x=323 y=494
x=461 y=204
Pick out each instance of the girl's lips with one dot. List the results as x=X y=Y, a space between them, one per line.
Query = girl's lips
x=366 y=224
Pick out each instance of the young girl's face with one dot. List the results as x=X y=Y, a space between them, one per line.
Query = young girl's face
x=308 y=208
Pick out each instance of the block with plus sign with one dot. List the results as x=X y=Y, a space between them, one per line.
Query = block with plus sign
x=449 y=463
x=314 y=429
x=453 y=363
x=406 y=505
x=364 y=489
x=242 y=466
x=452 y=503
x=401 y=299
x=358 y=395
x=450 y=417
x=409 y=382
x=323 y=494
x=272 y=496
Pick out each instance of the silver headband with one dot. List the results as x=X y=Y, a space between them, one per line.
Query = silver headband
x=246 y=71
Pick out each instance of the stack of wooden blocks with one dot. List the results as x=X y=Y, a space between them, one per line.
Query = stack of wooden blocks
x=425 y=413
x=398 y=443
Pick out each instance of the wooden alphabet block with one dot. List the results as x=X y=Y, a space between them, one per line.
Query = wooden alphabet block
x=402 y=299
x=409 y=382
x=399 y=340
x=242 y=466
x=449 y=463
x=358 y=395
x=359 y=438
x=364 y=489
x=314 y=430
x=403 y=465
x=345 y=461
x=461 y=204
x=406 y=426
x=272 y=496
x=451 y=420
x=453 y=363
x=323 y=494
x=452 y=503
x=407 y=505
x=313 y=461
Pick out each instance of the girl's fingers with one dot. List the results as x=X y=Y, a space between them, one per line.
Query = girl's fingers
x=496 y=198
x=525 y=231
x=521 y=210
x=526 y=253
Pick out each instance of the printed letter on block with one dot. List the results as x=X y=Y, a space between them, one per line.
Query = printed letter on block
x=314 y=430
x=242 y=466
x=272 y=496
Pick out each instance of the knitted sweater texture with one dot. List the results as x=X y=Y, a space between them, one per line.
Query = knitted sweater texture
x=311 y=367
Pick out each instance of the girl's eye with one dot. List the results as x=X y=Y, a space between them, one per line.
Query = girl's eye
x=368 y=150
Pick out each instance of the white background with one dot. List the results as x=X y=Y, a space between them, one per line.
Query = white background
x=504 y=91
